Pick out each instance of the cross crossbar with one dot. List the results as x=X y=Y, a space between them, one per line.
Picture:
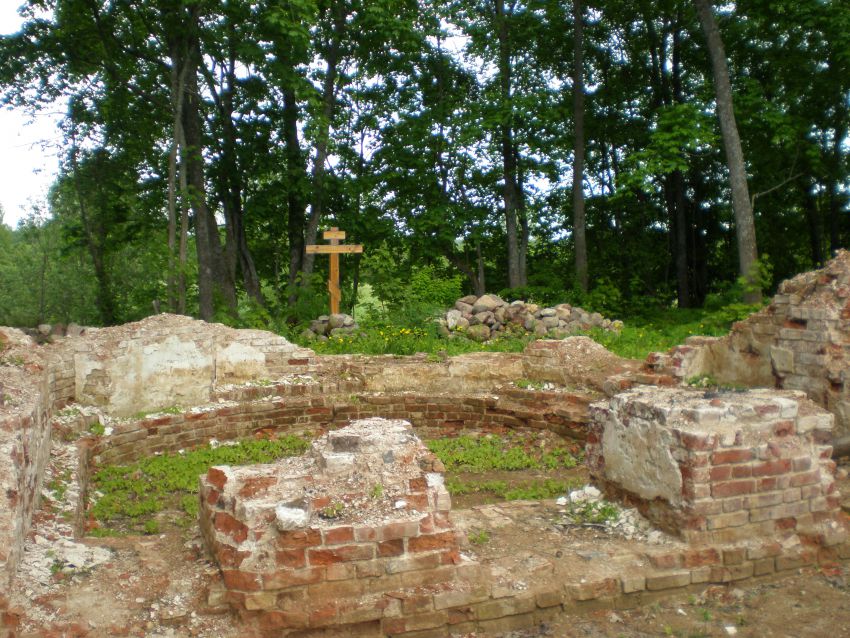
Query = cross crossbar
x=334 y=249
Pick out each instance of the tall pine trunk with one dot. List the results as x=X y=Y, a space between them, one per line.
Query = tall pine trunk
x=579 y=222
x=745 y=229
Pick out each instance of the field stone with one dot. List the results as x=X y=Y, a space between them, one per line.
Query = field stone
x=478 y=332
x=550 y=321
x=452 y=317
x=485 y=317
x=468 y=300
x=336 y=321
x=463 y=306
x=487 y=302
x=548 y=312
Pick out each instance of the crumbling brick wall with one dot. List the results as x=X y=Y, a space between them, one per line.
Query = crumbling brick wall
x=800 y=341
x=317 y=540
x=719 y=467
x=35 y=385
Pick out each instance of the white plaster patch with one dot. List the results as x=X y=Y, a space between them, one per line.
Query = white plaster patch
x=638 y=457
x=239 y=362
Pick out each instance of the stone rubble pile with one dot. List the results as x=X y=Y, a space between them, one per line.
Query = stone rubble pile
x=488 y=316
x=331 y=326
x=625 y=521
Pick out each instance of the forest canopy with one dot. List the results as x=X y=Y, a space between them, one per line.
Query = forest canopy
x=549 y=150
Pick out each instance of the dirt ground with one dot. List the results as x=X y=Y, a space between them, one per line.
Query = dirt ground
x=156 y=586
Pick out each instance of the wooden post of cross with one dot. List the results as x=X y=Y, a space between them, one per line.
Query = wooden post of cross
x=334 y=249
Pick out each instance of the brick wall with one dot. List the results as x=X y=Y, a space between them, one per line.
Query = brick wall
x=719 y=467
x=798 y=342
x=309 y=409
x=41 y=384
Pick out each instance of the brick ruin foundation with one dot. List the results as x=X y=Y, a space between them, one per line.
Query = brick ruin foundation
x=743 y=479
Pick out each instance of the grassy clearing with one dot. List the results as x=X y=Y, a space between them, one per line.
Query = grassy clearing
x=486 y=453
x=502 y=490
x=498 y=454
x=128 y=497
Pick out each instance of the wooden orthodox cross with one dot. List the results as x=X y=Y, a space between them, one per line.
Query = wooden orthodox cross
x=334 y=249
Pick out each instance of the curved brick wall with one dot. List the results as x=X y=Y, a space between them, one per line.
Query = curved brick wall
x=310 y=409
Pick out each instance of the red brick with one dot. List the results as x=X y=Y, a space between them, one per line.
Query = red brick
x=700 y=557
x=338 y=535
x=772 y=468
x=732 y=456
x=404 y=529
x=290 y=578
x=697 y=442
x=732 y=488
x=665 y=561
x=720 y=473
x=767 y=484
x=216 y=477
x=253 y=486
x=808 y=478
x=270 y=620
x=742 y=471
x=417 y=484
x=394 y=547
x=226 y=524
x=229 y=556
x=783 y=428
x=299 y=539
x=341 y=554
x=291 y=558
x=322 y=616
x=243 y=581
x=444 y=540
x=212 y=496
x=786 y=523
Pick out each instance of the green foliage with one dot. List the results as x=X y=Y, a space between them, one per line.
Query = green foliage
x=97 y=428
x=332 y=511
x=128 y=495
x=523 y=491
x=593 y=512
x=481 y=454
x=481 y=537
x=401 y=340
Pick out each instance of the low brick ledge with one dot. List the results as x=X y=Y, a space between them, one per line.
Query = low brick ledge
x=473 y=603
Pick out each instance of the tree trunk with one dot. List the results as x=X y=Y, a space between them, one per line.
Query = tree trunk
x=509 y=164
x=321 y=156
x=813 y=222
x=480 y=284
x=214 y=283
x=296 y=203
x=744 y=223
x=579 y=237
x=178 y=77
x=233 y=194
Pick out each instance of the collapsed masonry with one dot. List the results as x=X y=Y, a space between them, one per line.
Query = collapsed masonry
x=320 y=540
x=744 y=479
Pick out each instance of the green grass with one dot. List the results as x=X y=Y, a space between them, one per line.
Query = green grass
x=129 y=496
x=662 y=330
x=502 y=490
x=486 y=453
x=658 y=331
x=400 y=340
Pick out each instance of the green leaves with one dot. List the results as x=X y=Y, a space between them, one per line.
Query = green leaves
x=681 y=131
